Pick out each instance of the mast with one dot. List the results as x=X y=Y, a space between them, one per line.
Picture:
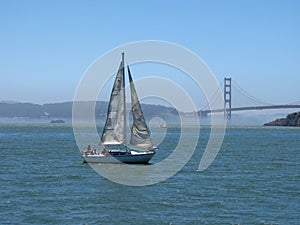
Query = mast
x=124 y=99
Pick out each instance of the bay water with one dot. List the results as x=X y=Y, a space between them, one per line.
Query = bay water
x=253 y=180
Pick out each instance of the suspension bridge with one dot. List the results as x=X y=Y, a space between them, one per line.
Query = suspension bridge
x=257 y=104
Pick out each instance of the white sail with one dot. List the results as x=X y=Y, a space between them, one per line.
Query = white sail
x=114 y=131
x=140 y=135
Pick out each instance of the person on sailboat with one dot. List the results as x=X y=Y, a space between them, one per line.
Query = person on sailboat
x=103 y=151
x=88 y=150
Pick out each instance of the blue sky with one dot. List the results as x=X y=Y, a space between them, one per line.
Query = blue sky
x=46 y=46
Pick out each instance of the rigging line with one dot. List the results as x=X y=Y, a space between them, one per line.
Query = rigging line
x=251 y=96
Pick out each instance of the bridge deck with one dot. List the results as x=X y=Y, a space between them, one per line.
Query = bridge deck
x=253 y=108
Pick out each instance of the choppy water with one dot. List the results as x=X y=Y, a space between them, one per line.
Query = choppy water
x=254 y=180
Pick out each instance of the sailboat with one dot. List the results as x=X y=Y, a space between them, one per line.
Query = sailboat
x=115 y=148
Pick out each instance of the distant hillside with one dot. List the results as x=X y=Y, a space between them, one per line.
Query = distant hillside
x=292 y=119
x=64 y=110
x=28 y=110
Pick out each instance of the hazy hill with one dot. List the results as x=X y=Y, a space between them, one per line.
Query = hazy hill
x=64 y=110
x=292 y=119
x=28 y=110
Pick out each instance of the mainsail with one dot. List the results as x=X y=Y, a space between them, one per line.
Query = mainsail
x=114 y=131
x=140 y=135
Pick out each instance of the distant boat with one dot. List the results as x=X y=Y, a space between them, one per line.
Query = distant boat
x=57 y=121
x=163 y=126
x=113 y=140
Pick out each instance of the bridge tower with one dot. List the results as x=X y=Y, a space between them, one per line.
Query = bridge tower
x=227 y=98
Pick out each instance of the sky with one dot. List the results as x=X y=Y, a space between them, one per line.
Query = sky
x=46 y=46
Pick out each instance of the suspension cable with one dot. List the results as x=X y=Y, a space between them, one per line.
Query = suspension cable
x=245 y=93
x=212 y=98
